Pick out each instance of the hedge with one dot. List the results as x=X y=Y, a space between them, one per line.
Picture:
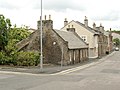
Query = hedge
x=21 y=58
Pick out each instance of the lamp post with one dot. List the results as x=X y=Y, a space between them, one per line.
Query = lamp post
x=41 y=56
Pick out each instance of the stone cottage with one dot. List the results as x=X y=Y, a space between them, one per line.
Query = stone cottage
x=104 y=41
x=86 y=33
x=58 y=46
x=110 y=41
x=93 y=36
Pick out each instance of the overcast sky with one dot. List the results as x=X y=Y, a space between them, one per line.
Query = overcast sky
x=27 y=12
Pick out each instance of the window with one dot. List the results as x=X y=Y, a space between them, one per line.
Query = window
x=84 y=38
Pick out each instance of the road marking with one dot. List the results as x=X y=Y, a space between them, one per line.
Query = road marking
x=75 y=69
x=83 y=66
x=59 y=73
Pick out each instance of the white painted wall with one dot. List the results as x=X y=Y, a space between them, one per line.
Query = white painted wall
x=81 y=31
x=91 y=40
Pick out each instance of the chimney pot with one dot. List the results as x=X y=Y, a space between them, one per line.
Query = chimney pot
x=40 y=18
x=49 y=17
x=94 y=26
x=101 y=28
x=110 y=29
x=65 y=22
x=45 y=17
x=86 y=21
x=65 y=19
x=100 y=24
x=85 y=18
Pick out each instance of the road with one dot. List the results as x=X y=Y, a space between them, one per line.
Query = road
x=104 y=75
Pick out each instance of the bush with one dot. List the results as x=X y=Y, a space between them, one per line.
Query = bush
x=4 y=60
x=30 y=58
x=21 y=58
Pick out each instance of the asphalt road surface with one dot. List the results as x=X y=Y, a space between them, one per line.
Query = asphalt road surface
x=104 y=75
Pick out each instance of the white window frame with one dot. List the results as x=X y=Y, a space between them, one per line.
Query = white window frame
x=84 y=37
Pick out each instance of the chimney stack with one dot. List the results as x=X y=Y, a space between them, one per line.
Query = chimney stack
x=49 y=17
x=71 y=29
x=94 y=26
x=101 y=28
x=86 y=21
x=46 y=24
x=110 y=29
x=45 y=17
x=65 y=22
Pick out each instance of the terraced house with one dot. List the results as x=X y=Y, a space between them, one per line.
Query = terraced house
x=64 y=47
x=95 y=37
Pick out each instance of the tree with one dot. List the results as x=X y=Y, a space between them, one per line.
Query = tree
x=8 y=39
x=116 y=41
x=19 y=33
x=5 y=26
x=116 y=31
x=15 y=35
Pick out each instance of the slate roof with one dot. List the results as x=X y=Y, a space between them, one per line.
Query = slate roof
x=74 y=42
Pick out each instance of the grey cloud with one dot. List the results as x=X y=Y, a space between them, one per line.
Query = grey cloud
x=60 y=5
x=57 y=5
x=6 y=5
x=111 y=16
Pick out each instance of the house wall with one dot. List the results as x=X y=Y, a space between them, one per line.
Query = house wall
x=81 y=31
x=81 y=59
x=71 y=56
x=90 y=37
x=55 y=53
x=55 y=49
x=95 y=49
x=59 y=51
x=110 y=42
x=103 y=44
x=78 y=55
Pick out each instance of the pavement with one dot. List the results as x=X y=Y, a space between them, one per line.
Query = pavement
x=52 y=69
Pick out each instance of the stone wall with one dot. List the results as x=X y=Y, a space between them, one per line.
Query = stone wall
x=55 y=49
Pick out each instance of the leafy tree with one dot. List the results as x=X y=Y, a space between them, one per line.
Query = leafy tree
x=116 y=41
x=15 y=35
x=116 y=31
x=8 y=39
x=19 y=33
x=5 y=26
